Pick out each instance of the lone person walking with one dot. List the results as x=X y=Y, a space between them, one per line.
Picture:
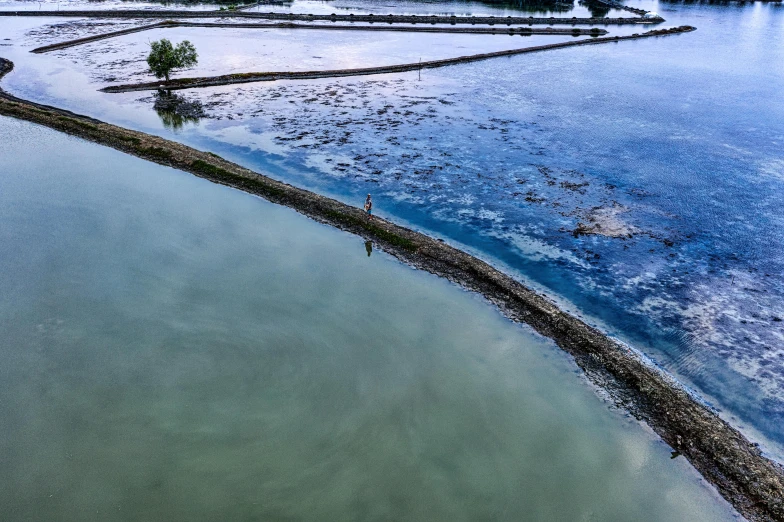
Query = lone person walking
x=369 y=207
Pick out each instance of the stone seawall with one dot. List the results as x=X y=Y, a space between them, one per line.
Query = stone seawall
x=748 y=480
x=229 y=79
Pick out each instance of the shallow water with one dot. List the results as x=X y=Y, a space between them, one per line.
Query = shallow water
x=177 y=350
x=671 y=145
x=457 y=7
x=123 y=59
x=92 y=5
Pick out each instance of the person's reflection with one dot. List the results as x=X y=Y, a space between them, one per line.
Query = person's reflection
x=369 y=247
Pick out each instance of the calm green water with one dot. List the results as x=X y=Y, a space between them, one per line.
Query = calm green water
x=176 y=350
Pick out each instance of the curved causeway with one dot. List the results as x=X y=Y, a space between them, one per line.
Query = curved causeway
x=748 y=480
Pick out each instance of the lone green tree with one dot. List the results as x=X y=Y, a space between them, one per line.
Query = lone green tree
x=164 y=57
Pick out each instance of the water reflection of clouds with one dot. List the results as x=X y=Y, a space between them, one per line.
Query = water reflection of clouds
x=536 y=249
x=242 y=135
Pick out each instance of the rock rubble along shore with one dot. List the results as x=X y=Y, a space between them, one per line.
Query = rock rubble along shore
x=747 y=479
x=250 y=77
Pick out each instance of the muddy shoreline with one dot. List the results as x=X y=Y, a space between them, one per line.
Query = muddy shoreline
x=385 y=19
x=167 y=24
x=748 y=480
x=250 y=77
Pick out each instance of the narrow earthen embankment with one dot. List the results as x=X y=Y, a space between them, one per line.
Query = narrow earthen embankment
x=229 y=79
x=522 y=31
x=751 y=482
x=103 y=36
x=612 y=4
x=369 y=18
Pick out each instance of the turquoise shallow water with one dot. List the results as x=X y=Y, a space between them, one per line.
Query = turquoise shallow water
x=176 y=350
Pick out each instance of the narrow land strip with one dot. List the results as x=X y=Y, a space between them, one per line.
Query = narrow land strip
x=229 y=79
x=369 y=18
x=612 y=4
x=748 y=480
x=168 y=24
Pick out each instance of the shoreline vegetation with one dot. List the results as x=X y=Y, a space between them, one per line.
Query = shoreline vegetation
x=752 y=483
x=250 y=77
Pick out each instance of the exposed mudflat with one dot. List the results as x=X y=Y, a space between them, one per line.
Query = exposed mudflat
x=341 y=115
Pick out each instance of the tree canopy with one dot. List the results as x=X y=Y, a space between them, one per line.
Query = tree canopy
x=164 y=57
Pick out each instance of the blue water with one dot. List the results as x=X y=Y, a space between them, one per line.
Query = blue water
x=672 y=145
